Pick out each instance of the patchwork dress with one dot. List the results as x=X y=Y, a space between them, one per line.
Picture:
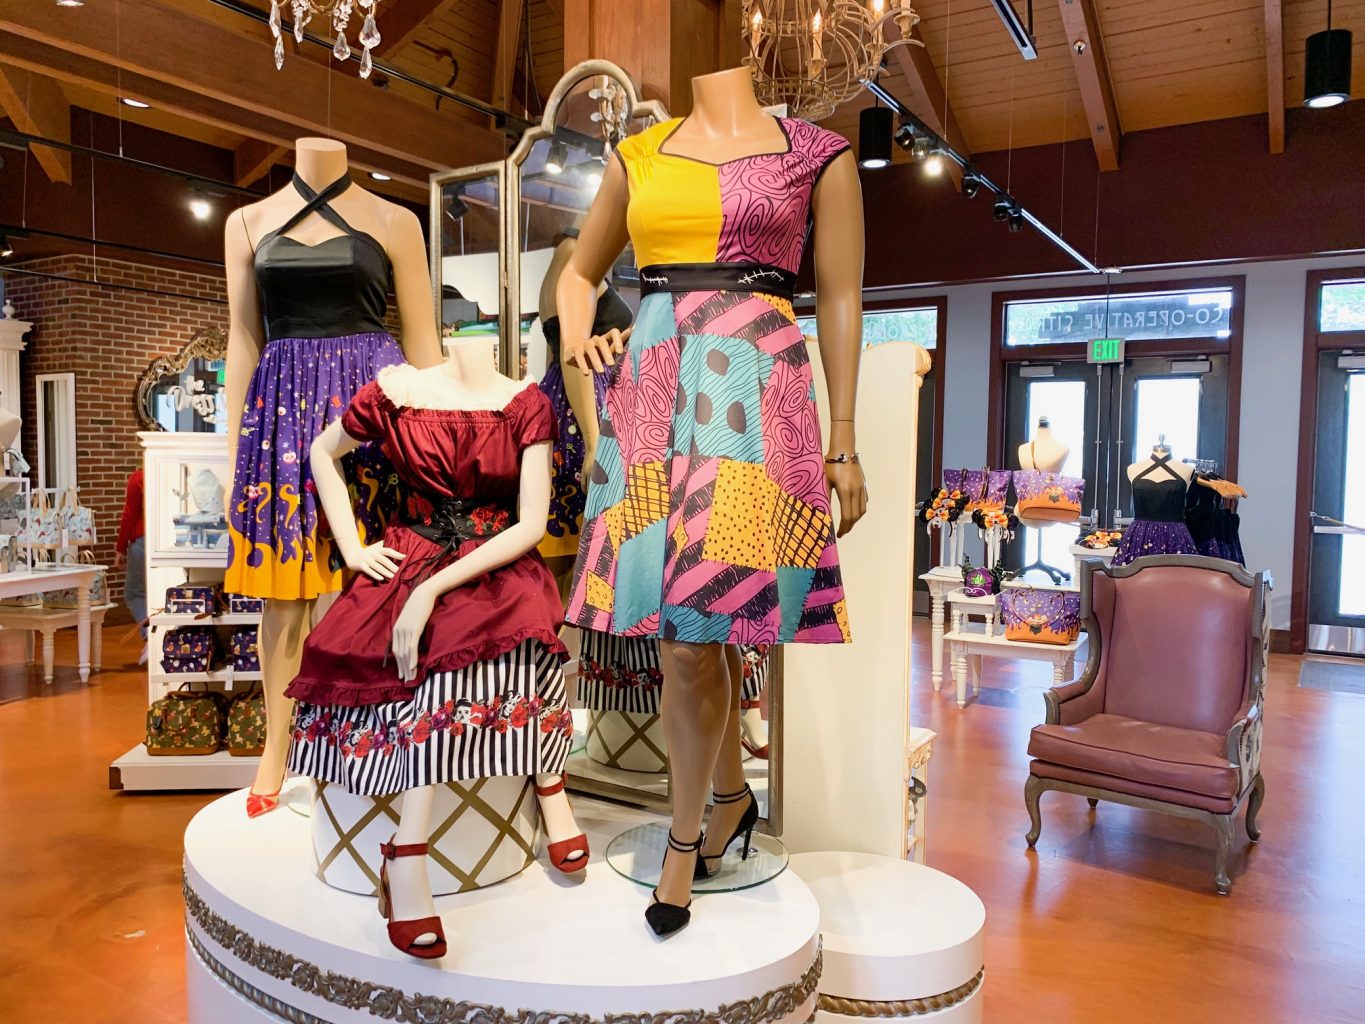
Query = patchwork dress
x=707 y=515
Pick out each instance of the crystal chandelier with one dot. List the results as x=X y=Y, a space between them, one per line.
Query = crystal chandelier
x=814 y=55
x=339 y=11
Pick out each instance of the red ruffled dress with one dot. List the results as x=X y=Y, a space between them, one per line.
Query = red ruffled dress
x=489 y=695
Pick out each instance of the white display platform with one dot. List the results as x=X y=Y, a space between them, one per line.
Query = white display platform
x=901 y=940
x=264 y=932
x=139 y=771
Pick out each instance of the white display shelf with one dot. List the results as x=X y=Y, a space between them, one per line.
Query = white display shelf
x=217 y=675
x=139 y=771
x=173 y=619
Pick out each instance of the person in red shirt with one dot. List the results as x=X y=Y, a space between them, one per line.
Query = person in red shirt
x=130 y=554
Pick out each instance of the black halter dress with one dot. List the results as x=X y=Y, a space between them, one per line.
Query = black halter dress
x=1158 y=526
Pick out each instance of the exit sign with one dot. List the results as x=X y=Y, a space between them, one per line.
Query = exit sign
x=1105 y=350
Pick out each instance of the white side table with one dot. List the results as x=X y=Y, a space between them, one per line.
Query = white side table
x=941 y=581
x=919 y=748
x=969 y=648
x=42 y=581
x=47 y=621
x=960 y=607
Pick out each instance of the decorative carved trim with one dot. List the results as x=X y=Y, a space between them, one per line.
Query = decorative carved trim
x=387 y=1003
x=901 y=1007
x=210 y=344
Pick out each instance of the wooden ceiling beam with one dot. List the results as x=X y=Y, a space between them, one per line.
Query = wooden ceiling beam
x=928 y=100
x=1082 y=24
x=1274 y=72
x=400 y=21
x=510 y=14
x=237 y=73
x=253 y=159
x=36 y=105
x=102 y=78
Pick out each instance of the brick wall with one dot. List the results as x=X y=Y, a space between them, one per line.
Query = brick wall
x=106 y=335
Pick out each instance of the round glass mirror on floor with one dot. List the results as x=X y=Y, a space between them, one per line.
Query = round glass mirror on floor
x=638 y=854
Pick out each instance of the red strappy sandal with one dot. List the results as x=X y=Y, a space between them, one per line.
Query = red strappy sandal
x=261 y=803
x=562 y=852
x=403 y=934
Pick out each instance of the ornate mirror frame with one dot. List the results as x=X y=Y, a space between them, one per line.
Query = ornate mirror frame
x=208 y=344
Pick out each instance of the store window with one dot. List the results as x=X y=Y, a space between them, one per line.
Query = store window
x=1342 y=306
x=917 y=325
x=1150 y=316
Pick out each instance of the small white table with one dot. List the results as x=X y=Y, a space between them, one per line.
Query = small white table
x=62 y=577
x=960 y=606
x=1079 y=553
x=47 y=621
x=941 y=581
x=969 y=648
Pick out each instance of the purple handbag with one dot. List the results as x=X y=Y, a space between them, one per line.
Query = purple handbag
x=1048 y=496
x=246 y=656
x=240 y=604
x=1041 y=616
x=978 y=582
x=189 y=649
x=192 y=599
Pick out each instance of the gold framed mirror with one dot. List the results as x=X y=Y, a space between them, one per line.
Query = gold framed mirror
x=186 y=392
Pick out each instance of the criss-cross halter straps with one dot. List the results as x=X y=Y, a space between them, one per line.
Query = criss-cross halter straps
x=321 y=204
x=1160 y=462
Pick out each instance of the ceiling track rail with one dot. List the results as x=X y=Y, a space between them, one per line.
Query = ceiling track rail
x=939 y=143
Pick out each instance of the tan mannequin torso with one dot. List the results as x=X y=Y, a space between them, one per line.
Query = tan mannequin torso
x=1044 y=453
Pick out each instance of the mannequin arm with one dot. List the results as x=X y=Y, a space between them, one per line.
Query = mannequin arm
x=246 y=334
x=412 y=286
x=838 y=213
x=601 y=240
x=533 y=512
x=376 y=561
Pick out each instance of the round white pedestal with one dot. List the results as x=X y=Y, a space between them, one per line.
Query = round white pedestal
x=482 y=831
x=268 y=941
x=901 y=940
x=628 y=741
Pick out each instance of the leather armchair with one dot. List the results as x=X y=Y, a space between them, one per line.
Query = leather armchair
x=1167 y=715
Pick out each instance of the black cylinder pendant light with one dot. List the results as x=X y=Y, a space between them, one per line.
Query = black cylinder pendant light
x=874 y=137
x=1327 y=66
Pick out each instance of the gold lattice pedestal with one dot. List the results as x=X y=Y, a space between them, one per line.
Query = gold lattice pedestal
x=626 y=740
x=482 y=831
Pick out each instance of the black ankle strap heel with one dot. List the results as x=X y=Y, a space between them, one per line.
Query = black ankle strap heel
x=747 y=822
x=666 y=918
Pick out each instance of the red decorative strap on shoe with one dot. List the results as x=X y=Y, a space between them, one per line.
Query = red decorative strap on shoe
x=393 y=852
x=553 y=789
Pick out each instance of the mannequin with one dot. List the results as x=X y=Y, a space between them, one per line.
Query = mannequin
x=1044 y=453
x=1159 y=483
x=273 y=295
x=1161 y=452
x=10 y=425
x=678 y=166
x=360 y=677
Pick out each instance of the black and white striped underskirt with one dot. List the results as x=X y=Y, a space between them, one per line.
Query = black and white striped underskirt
x=503 y=716
x=623 y=673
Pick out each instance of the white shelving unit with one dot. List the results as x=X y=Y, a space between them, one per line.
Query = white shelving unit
x=171 y=461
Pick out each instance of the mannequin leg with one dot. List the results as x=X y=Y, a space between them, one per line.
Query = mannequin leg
x=284 y=627
x=697 y=708
x=729 y=774
x=556 y=814
x=409 y=883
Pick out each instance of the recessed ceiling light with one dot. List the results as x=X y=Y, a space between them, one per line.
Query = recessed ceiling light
x=128 y=101
x=201 y=208
x=70 y=3
x=5 y=248
x=380 y=176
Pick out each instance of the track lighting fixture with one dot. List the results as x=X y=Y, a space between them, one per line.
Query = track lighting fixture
x=874 y=137
x=1002 y=208
x=557 y=158
x=971 y=185
x=1327 y=66
x=1016 y=218
x=934 y=165
x=456 y=207
x=920 y=150
x=905 y=135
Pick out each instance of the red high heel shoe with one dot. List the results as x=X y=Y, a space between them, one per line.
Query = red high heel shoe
x=403 y=934
x=561 y=853
x=262 y=803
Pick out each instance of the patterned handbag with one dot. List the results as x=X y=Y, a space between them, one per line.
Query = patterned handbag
x=192 y=599
x=41 y=526
x=246 y=724
x=246 y=657
x=77 y=519
x=188 y=649
x=185 y=722
x=1047 y=497
x=240 y=604
x=67 y=599
x=1041 y=616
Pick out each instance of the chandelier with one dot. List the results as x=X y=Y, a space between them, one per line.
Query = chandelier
x=339 y=12
x=814 y=55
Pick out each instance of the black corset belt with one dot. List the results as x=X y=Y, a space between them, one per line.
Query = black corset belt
x=450 y=522
x=717 y=277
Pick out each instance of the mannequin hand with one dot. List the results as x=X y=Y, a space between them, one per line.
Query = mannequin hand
x=376 y=561
x=846 y=479
x=408 y=630
x=589 y=460
x=595 y=354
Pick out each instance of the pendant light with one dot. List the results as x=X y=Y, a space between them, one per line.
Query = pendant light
x=875 y=125
x=1327 y=66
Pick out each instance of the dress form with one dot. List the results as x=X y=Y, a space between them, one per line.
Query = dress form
x=702 y=680
x=318 y=162
x=1044 y=453
x=1161 y=451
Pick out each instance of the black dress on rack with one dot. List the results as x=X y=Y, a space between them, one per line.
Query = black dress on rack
x=1158 y=526
x=1214 y=526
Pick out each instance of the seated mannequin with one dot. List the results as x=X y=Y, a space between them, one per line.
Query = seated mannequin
x=1044 y=453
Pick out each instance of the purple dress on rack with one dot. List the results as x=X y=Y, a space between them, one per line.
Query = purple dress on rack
x=1158 y=526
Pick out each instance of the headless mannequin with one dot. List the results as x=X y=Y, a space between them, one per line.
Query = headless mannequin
x=319 y=162
x=1160 y=451
x=1044 y=453
x=701 y=689
x=468 y=379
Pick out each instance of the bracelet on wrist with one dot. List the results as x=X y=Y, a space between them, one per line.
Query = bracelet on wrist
x=841 y=459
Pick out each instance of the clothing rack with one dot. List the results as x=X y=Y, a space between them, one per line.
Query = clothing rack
x=1202 y=465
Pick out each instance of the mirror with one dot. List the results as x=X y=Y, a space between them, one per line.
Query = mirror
x=187 y=392
x=56 y=431
x=554 y=174
x=469 y=260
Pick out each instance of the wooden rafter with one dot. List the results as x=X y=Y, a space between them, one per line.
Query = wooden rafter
x=1274 y=72
x=399 y=22
x=232 y=78
x=1082 y=24
x=510 y=14
x=254 y=158
x=36 y=105
x=927 y=99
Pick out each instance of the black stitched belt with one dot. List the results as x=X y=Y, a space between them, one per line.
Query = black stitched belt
x=717 y=277
x=451 y=521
